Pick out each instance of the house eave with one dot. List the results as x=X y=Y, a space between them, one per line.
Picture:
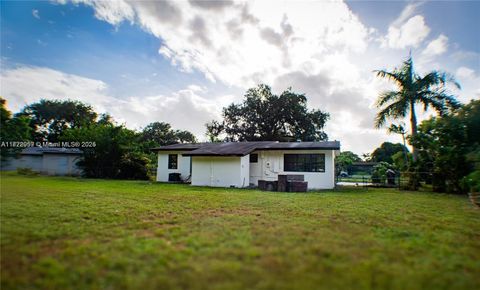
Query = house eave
x=214 y=155
x=297 y=149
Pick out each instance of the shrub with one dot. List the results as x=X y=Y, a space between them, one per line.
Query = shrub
x=472 y=181
x=379 y=174
x=26 y=171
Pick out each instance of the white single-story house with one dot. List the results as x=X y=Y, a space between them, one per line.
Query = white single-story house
x=242 y=164
x=46 y=160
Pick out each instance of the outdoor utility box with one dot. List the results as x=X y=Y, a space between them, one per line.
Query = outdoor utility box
x=285 y=182
x=297 y=186
x=268 y=185
x=174 y=177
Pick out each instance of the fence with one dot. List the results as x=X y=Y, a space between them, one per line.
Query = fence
x=401 y=180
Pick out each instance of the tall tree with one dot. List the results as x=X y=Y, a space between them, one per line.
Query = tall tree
x=266 y=116
x=49 y=118
x=429 y=91
x=12 y=128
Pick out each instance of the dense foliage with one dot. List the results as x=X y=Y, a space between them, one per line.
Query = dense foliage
x=344 y=160
x=379 y=173
x=116 y=153
x=266 y=116
x=449 y=147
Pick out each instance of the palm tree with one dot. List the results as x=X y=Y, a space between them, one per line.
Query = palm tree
x=429 y=91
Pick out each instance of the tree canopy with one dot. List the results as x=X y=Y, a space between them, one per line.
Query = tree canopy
x=449 y=147
x=386 y=151
x=116 y=153
x=12 y=128
x=265 y=116
x=161 y=134
x=49 y=118
x=345 y=159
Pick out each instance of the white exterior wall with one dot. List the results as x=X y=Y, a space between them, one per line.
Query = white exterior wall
x=60 y=164
x=183 y=166
x=220 y=171
x=51 y=164
x=270 y=165
x=33 y=162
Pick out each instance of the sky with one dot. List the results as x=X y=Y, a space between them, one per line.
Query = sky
x=181 y=62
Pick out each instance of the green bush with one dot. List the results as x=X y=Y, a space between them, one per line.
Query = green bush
x=379 y=174
x=472 y=181
x=26 y=171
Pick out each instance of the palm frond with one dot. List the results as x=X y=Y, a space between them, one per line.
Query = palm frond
x=439 y=100
x=394 y=76
x=387 y=97
x=394 y=111
x=435 y=78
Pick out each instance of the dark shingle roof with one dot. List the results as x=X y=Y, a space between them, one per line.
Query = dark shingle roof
x=181 y=146
x=335 y=145
x=227 y=148
x=50 y=150
x=244 y=148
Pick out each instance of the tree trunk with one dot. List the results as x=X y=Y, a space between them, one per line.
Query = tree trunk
x=404 y=148
x=413 y=122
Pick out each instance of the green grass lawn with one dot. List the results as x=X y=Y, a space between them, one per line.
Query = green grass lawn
x=67 y=233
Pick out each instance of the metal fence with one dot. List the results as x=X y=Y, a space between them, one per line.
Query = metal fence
x=401 y=180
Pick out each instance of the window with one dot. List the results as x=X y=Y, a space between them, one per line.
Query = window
x=172 y=161
x=304 y=162
x=253 y=158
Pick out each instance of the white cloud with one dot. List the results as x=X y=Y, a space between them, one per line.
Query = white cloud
x=35 y=13
x=306 y=45
x=436 y=47
x=240 y=43
x=27 y=84
x=465 y=73
x=470 y=82
x=407 y=12
x=409 y=34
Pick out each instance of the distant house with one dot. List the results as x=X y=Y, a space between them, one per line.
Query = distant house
x=242 y=164
x=361 y=168
x=50 y=161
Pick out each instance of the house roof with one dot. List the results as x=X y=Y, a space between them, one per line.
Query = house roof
x=244 y=148
x=180 y=146
x=50 y=150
